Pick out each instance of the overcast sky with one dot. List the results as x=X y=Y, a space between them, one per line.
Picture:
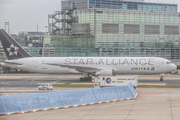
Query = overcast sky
x=23 y=15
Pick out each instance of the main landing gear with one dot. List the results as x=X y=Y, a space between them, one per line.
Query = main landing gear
x=85 y=78
x=162 y=75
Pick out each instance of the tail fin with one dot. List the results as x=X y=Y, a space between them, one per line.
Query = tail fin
x=12 y=48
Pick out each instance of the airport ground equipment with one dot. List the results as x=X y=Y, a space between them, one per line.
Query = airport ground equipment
x=64 y=99
x=178 y=72
x=107 y=81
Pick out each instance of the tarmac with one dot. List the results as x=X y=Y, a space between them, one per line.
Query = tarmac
x=150 y=104
x=33 y=80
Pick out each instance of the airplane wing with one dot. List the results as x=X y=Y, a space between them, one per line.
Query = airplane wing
x=80 y=68
x=14 y=63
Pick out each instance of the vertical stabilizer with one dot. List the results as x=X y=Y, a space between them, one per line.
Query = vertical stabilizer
x=12 y=48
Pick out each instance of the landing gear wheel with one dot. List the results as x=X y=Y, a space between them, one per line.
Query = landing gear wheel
x=88 y=78
x=81 y=79
x=161 y=79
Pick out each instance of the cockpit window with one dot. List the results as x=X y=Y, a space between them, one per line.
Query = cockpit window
x=168 y=62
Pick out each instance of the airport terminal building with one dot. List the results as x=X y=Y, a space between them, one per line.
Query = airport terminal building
x=110 y=28
x=117 y=28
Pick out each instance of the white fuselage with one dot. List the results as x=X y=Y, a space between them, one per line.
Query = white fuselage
x=120 y=65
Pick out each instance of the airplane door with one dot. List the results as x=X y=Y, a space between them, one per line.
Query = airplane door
x=157 y=64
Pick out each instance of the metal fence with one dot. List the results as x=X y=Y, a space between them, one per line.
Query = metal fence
x=41 y=101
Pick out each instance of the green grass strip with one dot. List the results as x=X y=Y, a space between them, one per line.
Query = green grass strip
x=72 y=86
x=92 y=86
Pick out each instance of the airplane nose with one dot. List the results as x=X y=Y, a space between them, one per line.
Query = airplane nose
x=173 y=67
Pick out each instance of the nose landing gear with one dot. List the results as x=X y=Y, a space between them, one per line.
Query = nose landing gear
x=161 y=79
x=162 y=75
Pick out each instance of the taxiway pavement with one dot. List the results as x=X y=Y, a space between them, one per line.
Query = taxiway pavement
x=33 y=80
x=150 y=104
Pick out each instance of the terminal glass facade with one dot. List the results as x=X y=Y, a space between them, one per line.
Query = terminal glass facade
x=135 y=29
x=118 y=4
x=2 y=53
x=118 y=33
x=125 y=5
x=124 y=28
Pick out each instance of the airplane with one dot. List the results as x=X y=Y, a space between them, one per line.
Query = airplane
x=87 y=66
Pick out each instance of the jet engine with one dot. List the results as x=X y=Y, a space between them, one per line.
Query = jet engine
x=104 y=73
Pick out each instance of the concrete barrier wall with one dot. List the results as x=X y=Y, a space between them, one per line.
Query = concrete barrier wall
x=63 y=99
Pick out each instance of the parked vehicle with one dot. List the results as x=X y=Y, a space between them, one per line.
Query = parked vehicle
x=46 y=86
x=107 y=81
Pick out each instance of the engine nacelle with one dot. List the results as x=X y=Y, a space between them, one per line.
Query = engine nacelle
x=104 y=73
